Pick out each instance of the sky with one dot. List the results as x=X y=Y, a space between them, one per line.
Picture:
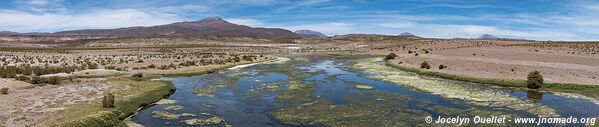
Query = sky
x=524 y=19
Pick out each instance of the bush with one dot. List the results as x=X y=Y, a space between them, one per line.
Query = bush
x=4 y=91
x=23 y=78
x=54 y=80
x=535 y=80
x=138 y=75
x=425 y=65
x=36 y=80
x=390 y=56
x=441 y=67
x=108 y=101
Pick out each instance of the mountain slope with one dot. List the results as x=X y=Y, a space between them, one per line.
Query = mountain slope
x=309 y=33
x=487 y=36
x=210 y=26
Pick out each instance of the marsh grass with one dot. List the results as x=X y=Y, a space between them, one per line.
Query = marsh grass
x=139 y=94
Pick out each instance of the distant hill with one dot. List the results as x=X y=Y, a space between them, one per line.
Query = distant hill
x=409 y=35
x=8 y=33
x=406 y=34
x=213 y=26
x=310 y=33
x=487 y=36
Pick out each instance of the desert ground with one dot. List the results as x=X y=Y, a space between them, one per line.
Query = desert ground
x=44 y=83
x=576 y=63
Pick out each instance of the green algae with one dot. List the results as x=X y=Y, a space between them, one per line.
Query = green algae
x=364 y=87
x=168 y=115
x=207 y=121
x=174 y=107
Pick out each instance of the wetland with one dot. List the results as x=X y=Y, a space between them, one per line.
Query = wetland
x=345 y=90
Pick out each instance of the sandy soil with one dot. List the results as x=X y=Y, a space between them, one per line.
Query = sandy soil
x=28 y=107
x=499 y=61
x=13 y=85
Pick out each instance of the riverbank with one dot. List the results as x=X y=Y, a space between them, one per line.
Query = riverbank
x=589 y=90
x=137 y=95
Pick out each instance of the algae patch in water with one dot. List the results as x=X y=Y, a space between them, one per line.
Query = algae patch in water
x=174 y=107
x=210 y=89
x=474 y=94
x=165 y=101
x=364 y=87
x=204 y=121
x=168 y=115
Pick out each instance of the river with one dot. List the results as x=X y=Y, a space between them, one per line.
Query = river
x=339 y=90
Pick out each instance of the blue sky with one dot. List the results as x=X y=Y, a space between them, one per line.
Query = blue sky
x=529 y=19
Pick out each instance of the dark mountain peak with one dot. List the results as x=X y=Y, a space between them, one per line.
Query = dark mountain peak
x=487 y=36
x=406 y=34
x=309 y=33
x=213 y=20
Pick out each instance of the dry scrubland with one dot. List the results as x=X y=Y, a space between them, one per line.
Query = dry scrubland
x=46 y=84
x=62 y=81
x=572 y=62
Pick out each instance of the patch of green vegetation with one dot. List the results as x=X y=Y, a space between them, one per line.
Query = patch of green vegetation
x=370 y=108
x=139 y=94
x=589 y=90
x=168 y=115
x=174 y=107
x=534 y=80
x=209 y=89
x=209 y=121
x=3 y=90
x=364 y=87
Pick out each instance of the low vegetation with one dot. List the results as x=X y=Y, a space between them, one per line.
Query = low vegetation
x=441 y=67
x=590 y=90
x=108 y=101
x=138 y=94
x=3 y=90
x=535 y=80
x=390 y=56
x=425 y=65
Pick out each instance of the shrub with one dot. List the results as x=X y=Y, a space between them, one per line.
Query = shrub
x=36 y=80
x=535 y=80
x=54 y=80
x=390 y=56
x=108 y=101
x=441 y=67
x=4 y=91
x=425 y=65
x=138 y=75
x=416 y=54
x=23 y=78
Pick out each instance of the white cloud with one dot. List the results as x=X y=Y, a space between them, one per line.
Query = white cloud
x=50 y=22
x=330 y=28
x=38 y=2
x=301 y=4
x=246 y=21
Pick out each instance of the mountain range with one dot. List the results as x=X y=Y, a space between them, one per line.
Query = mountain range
x=309 y=33
x=213 y=26
x=487 y=36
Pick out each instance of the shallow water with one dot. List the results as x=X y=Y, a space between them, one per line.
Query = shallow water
x=249 y=96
